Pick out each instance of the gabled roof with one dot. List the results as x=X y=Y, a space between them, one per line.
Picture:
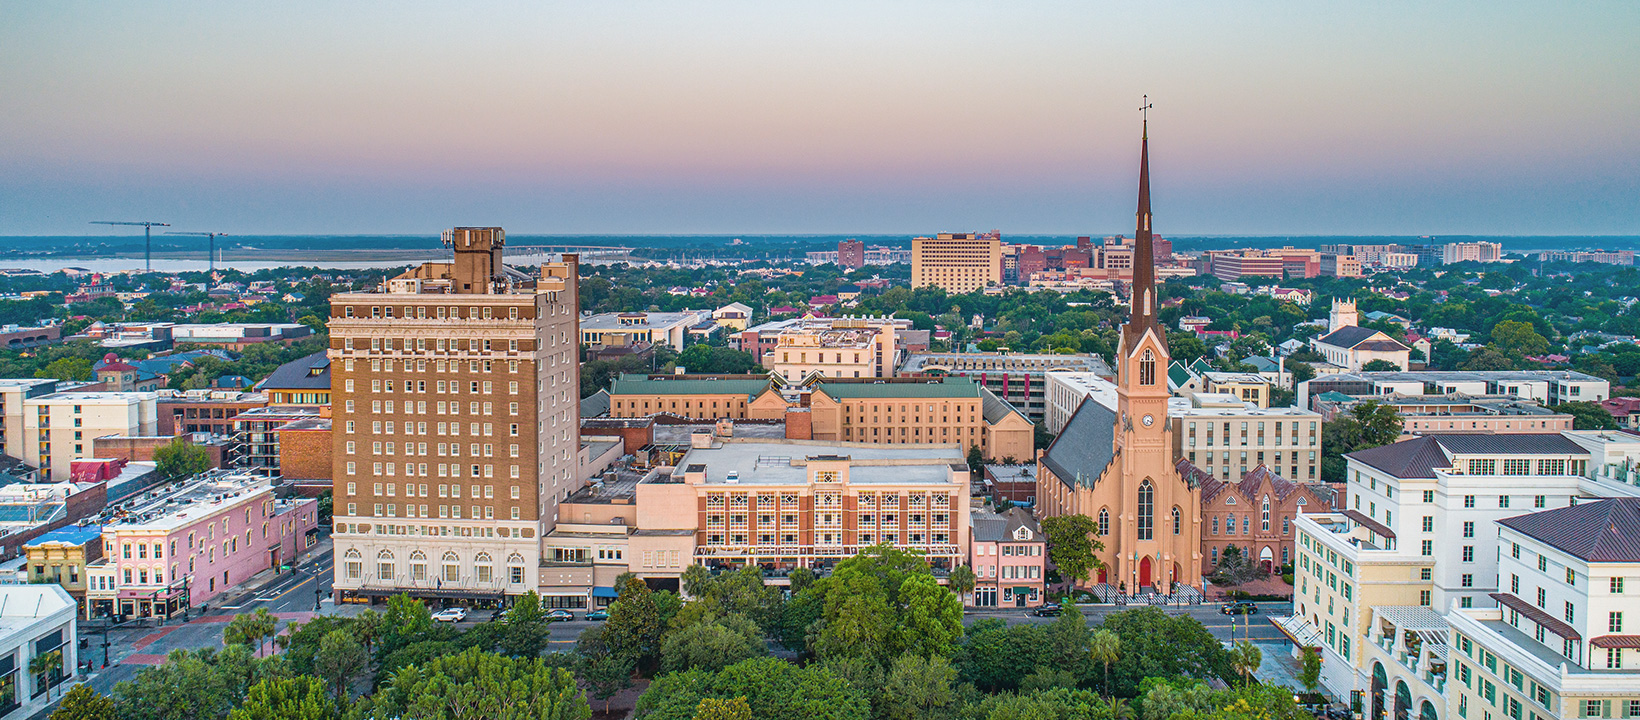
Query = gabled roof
x=992 y=527
x=996 y=409
x=1604 y=531
x=1353 y=336
x=1420 y=457
x=1084 y=447
x=308 y=373
x=1255 y=482
x=1415 y=458
x=595 y=405
x=1178 y=375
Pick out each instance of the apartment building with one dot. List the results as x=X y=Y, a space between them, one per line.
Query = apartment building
x=875 y=334
x=207 y=411
x=50 y=430
x=951 y=411
x=697 y=397
x=1229 y=439
x=1246 y=387
x=958 y=262
x=168 y=553
x=1547 y=387
x=1472 y=252
x=1019 y=378
x=1343 y=266
x=1562 y=640
x=455 y=423
x=1457 y=412
x=629 y=328
x=303 y=381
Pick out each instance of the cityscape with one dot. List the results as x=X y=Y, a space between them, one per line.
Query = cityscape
x=720 y=457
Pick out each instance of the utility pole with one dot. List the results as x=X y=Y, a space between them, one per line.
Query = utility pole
x=212 y=236
x=147 y=239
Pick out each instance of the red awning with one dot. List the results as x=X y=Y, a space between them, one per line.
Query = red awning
x=1536 y=615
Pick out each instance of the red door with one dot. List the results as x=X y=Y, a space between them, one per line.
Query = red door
x=1144 y=572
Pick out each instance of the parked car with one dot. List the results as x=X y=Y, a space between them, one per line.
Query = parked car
x=1239 y=608
x=559 y=615
x=499 y=615
x=450 y=615
x=598 y=615
x=1047 y=611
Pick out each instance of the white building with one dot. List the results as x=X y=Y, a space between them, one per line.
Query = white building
x=1351 y=347
x=51 y=430
x=1065 y=390
x=34 y=620
x=1472 y=252
x=659 y=328
x=1547 y=387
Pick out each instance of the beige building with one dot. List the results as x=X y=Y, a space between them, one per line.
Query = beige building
x=61 y=556
x=1246 y=387
x=697 y=397
x=951 y=411
x=1229 y=439
x=456 y=423
x=957 y=262
x=55 y=429
x=840 y=348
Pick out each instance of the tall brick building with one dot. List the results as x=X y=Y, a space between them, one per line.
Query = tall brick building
x=455 y=398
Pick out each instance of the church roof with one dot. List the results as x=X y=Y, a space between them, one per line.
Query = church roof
x=1086 y=445
x=1255 y=482
x=1354 y=337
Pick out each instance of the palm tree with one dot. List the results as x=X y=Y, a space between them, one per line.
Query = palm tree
x=1120 y=709
x=44 y=665
x=962 y=581
x=1245 y=658
x=1105 y=647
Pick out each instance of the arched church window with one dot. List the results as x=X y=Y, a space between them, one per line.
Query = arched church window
x=1178 y=520
x=1264 y=515
x=1147 y=510
x=1147 y=368
x=1104 y=521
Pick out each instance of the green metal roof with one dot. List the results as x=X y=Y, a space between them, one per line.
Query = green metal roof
x=1179 y=375
x=631 y=384
x=947 y=387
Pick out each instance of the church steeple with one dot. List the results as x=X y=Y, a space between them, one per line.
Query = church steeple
x=1143 y=291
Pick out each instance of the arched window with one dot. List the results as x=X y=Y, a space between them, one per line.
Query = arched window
x=1147 y=368
x=352 y=564
x=384 y=565
x=515 y=568
x=485 y=567
x=1178 y=520
x=418 y=566
x=452 y=567
x=1147 y=510
x=1264 y=515
x=1104 y=521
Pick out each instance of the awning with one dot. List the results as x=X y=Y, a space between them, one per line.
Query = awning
x=1536 y=615
x=1616 y=641
x=1370 y=524
x=429 y=593
x=605 y=592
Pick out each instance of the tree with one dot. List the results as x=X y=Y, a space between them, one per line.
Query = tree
x=1301 y=371
x=406 y=621
x=1235 y=568
x=697 y=581
x=918 y=688
x=1587 y=415
x=711 y=645
x=1105 y=647
x=476 y=685
x=1155 y=644
x=180 y=458
x=191 y=685
x=44 y=664
x=291 y=698
x=976 y=459
x=717 y=709
x=526 y=630
x=251 y=629
x=68 y=368
x=1517 y=339
x=963 y=580
x=339 y=660
x=83 y=703
x=1380 y=424
x=1245 y=658
x=1071 y=547
x=634 y=626
x=1309 y=669
x=773 y=689
x=606 y=676
x=930 y=618
x=1380 y=365
x=800 y=579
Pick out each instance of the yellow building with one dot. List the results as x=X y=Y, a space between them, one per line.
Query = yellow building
x=958 y=262
x=842 y=348
x=698 y=397
x=60 y=557
x=952 y=410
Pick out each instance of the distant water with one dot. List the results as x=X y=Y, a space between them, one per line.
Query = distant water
x=113 y=253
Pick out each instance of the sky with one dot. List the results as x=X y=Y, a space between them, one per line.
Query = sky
x=703 y=117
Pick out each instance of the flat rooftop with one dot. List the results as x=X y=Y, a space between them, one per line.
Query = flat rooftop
x=166 y=509
x=622 y=489
x=680 y=434
x=1009 y=362
x=784 y=463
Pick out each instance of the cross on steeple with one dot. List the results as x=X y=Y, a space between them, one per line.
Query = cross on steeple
x=1144 y=114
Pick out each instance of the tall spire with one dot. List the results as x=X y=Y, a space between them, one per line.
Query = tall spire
x=1142 y=315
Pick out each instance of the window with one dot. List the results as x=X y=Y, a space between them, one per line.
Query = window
x=1469 y=501
x=1617 y=586
x=1469 y=553
x=1469 y=528
x=1177 y=524
x=1104 y=522
x=1147 y=368
x=1147 y=510
x=1614 y=622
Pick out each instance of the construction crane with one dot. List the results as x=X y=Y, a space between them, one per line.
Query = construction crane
x=147 y=239
x=212 y=236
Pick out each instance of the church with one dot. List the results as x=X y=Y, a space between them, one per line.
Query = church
x=1147 y=515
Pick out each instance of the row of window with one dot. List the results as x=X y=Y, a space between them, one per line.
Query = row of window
x=489 y=531
x=441 y=449
x=483 y=568
x=412 y=510
x=442 y=469
x=386 y=427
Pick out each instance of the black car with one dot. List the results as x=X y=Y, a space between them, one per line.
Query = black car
x=498 y=615
x=1047 y=611
x=1239 y=608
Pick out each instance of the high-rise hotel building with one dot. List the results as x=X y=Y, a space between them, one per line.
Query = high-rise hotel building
x=958 y=262
x=455 y=393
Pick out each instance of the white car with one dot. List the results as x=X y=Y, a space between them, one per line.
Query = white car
x=454 y=614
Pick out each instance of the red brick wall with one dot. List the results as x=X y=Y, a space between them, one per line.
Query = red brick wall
x=305 y=454
x=141 y=449
x=799 y=424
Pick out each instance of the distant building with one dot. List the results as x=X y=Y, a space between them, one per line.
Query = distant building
x=1549 y=387
x=1614 y=257
x=119 y=376
x=957 y=262
x=50 y=430
x=949 y=411
x=1020 y=379
x=1064 y=392
x=851 y=254
x=236 y=336
x=1343 y=266
x=16 y=337
x=1351 y=347
x=628 y=328
x=1472 y=252
x=734 y=316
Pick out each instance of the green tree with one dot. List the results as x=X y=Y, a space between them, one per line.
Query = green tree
x=697 y=581
x=918 y=688
x=1245 y=658
x=476 y=685
x=1071 y=546
x=526 y=628
x=1301 y=371
x=1517 y=339
x=800 y=579
x=718 y=709
x=251 y=629
x=773 y=690
x=976 y=459
x=1105 y=647
x=1155 y=644
x=604 y=670
x=930 y=618
x=634 y=626
x=200 y=685
x=291 y=698
x=1309 y=669
x=180 y=458
x=340 y=659
x=1046 y=678
x=963 y=580
x=407 y=620
x=1587 y=415
x=83 y=703
x=1381 y=365
x=68 y=368
x=711 y=645
x=42 y=666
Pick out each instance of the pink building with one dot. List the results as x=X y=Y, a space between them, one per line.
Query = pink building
x=172 y=550
x=1009 y=555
